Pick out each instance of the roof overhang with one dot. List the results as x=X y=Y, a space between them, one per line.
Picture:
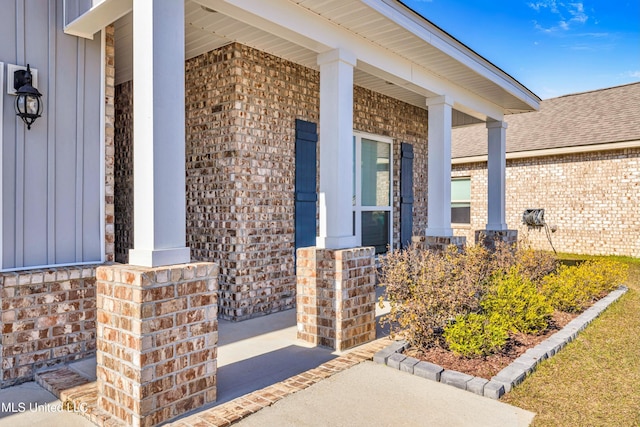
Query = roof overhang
x=400 y=53
x=559 y=151
x=84 y=18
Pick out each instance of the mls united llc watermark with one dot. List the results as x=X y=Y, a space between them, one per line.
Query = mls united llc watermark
x=21 y=407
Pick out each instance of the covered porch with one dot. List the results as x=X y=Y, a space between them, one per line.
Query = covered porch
x=215 y=172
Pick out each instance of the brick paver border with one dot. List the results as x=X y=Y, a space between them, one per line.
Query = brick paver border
x=76 y=392
x=510 y=376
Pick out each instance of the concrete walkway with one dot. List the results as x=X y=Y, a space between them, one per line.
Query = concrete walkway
x=29 y=405
x=371 y=394
x=264 y=353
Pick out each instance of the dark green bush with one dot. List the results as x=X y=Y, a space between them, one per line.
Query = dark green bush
x=474 y=335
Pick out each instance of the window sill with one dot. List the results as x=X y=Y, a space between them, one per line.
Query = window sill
x=460 y=226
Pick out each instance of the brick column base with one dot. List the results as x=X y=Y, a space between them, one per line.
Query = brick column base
x=439 y=243
x=488 y=238
x=157 y=336
x=336 y=296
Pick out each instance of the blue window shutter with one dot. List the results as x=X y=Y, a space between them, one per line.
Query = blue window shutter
x=305 y=187
x=406 y=194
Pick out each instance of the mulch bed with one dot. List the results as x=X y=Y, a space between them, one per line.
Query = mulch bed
x=487 y=367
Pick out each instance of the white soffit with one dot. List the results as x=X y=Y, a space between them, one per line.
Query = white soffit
x=431 y=49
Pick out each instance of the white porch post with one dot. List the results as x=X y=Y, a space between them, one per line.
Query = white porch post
x=439 y=164
x=159 y=134
x=336 y=150
x=496 y=168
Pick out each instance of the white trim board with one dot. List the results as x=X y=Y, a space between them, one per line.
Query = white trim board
x=553 y=151
x=1 y=162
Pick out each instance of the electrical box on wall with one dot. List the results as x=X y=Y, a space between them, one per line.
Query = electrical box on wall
x=11 y=69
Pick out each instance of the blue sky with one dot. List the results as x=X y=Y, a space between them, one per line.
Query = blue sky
x=552 y=47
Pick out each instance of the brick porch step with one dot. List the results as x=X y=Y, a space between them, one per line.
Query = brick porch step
x=77 y=394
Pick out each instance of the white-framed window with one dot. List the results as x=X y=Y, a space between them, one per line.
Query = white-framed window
x=372 y=191
x=461 y=200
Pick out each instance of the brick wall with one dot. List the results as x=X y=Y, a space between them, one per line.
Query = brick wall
x=109 y=143
x=123 y=181
x=591 y=197
x=241 y=108
x=48 y=317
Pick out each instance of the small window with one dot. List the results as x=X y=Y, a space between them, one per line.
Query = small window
x=461 y=200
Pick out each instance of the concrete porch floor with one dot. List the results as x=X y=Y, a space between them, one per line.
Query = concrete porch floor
x=252 y=355
x=261 y=364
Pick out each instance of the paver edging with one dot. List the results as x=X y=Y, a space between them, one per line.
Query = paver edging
x=508 y=377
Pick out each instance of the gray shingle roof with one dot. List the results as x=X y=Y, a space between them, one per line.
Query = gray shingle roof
x=597 y=117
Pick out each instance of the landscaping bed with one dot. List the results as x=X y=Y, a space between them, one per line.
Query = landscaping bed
x=476 y=312
x=488 y=366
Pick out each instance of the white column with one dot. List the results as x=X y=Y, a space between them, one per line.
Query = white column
x=439 y=164
x=336 y=150
x=158 y=134
x=496 y=168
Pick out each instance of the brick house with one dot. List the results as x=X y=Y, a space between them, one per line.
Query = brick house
x=253 y=158
x=578 y=158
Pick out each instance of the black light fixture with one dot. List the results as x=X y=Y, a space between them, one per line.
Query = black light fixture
x=28 y=104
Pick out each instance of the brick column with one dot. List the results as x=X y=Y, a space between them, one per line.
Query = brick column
x=488 y=238
x=336 y=296
x=438 y=243
x=157 y=337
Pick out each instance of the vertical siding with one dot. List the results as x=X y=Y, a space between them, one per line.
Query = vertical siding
x=8 y=55
x=51 y=175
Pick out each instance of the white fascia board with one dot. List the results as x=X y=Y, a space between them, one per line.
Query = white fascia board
x=101 y=14
x=295 y=23
x=448 y=45
x=609 y=146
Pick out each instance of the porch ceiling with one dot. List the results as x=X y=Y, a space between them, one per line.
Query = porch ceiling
x=405 y=34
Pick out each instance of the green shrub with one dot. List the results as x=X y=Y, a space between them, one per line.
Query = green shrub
x=573 y=288
x=427 y=289
x=514 y=301
x=475 y=335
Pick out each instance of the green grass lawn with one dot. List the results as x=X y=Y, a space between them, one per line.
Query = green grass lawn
x=595 y=380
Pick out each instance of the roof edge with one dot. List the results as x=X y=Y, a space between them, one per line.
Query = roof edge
x=609 y=146
x=416 y=17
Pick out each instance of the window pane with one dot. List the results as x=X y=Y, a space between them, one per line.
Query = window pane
x=375 y=230
x=460 y=189
x=375 y=173
x=460 y=200
x=461 y=213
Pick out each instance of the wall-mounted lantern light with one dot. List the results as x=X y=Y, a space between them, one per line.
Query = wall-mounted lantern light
x=28 y=103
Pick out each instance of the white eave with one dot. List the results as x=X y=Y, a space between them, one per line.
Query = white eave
x=400 y=53
x=100 y=14
x=448 y=45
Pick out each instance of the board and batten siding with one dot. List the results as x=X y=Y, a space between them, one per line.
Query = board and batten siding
x=52 y=200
